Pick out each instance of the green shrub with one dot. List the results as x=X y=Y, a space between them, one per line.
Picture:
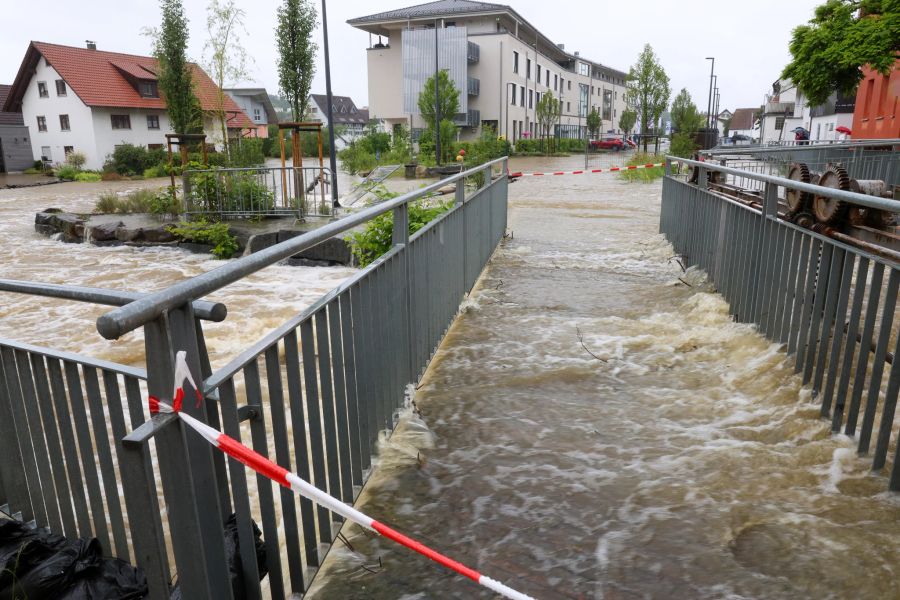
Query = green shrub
x=33 y=171
x=216 y=235
x=683 y=145
x=127 y=159
x=377 y=237
x=158 y=202
x=247 y=153
x=87 y=176
x=66 y=172
x=644 y=175
x=165 y=203
x=76 y=160
x=356 y=159
x=156 y=171
x=107 y=203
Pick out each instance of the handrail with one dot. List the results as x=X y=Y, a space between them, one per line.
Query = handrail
x=812 y=145
x=209 y=311
x=72 y=357
x=131 y=316
x=818 y=190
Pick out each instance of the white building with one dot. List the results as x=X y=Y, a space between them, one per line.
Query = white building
x=90 y=101
x=257 y=105
x=743 y=123
x=501 y=64
x=350 y=121
x=785 y=109
x=828 y=120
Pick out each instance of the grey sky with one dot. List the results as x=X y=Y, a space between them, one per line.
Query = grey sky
x=748 y=38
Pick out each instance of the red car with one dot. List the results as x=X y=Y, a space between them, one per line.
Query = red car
x=615 y=144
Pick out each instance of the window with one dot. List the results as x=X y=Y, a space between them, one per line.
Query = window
x=555 y=78
x=42 y=123
x=537 y=97
x=512 y=98
x=148 y=89
x=46 y=155
x=42 y=89
x=257 y=114
x=538 y=70
x=67 y=150
x=450 y=24
x=527 y=68
x=530 y=98
x=779 y=123
x=152 y=121
x=60 y=87
x=154 y=146
x=521 y=95
x=64 y=122
x=568 y=107
x=570 y=85
x=582 y=69
x=617 y=95
x=548 y=79
x=515 y=62
x=121 y=121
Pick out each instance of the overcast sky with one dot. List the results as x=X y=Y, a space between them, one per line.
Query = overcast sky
x=749 y=39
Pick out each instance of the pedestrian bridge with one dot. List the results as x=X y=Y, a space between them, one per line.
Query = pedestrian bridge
x=555 y=324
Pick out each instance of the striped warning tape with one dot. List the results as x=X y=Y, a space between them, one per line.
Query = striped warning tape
x=588 y=171
x=282 y=476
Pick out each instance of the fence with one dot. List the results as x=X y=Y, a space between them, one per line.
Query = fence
x=802 y=289
x=258 y=191
x=313 y=394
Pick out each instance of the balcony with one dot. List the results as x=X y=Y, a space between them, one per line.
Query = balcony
x=472 y=118
x=473 y=86
x=473 y=52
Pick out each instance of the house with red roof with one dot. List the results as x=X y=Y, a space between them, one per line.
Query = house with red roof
x=87 y=100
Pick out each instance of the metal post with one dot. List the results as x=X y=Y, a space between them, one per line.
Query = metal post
x=709 y=100
x=437 y=99
x=332 y=158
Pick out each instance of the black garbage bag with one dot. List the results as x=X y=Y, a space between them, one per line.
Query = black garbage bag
x=233 y=557
x=37 y=564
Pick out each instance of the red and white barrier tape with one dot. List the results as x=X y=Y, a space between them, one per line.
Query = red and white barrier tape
x=588 y=171
x=282 y=476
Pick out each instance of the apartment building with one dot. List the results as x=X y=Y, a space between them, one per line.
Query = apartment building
x=501 y=64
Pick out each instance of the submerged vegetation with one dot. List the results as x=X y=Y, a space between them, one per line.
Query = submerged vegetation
x=644 y=175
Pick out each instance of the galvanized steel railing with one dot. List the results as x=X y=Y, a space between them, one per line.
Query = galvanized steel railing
x=832 y=304
x=313 y=394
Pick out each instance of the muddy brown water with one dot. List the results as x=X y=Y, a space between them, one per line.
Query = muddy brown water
x=590 y=428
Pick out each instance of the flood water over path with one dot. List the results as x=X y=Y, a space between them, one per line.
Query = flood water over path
x=592 y=427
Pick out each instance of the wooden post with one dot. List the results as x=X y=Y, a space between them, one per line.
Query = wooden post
x=171 y=169
x=284 y=195
x=300 y=192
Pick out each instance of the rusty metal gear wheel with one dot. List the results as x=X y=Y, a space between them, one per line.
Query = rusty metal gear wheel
x=795 y=199
x=829 y=210
x=804 y=219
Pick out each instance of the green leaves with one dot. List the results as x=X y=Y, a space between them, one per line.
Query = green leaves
x=175 y=77
x=448 y=98
x=647 y=88
x=296 y=53
x=216 y=235
x=685 y=116
x=377 y=237
x=843 y=36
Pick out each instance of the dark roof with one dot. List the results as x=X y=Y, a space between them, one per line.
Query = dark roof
x=8 y=118
x=99 y=78
x=743 y=118
x=441 y=7
x=344 y=112
x=261 y=96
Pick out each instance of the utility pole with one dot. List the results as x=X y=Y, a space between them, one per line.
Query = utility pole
x=332 y=158
x=709 y=101
x=437 y=96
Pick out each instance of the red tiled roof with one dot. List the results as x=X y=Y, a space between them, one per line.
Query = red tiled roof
x=743 y=118
x=8 y=118
x=95 y=77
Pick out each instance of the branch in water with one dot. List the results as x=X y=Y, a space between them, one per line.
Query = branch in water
x=581 y=340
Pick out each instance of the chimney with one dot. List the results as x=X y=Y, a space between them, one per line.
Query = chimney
x=577 y=53
x=561 y=46
x=91 y=44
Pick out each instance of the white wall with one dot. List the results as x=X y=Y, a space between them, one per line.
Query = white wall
x=81 y=134
x=108 y=138
x=385 y=69
x=248 y=105
x=823 y=128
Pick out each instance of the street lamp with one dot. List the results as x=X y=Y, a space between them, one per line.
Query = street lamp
x=332 y=158
x=709 y=101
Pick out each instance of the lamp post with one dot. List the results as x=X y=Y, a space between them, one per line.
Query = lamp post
x=712 y=69
x=332 y=158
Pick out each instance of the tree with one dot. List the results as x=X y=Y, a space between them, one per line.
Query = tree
x=843 y=36
x=175 y=73
x=547 y=110
x=448 y=98
x=627 y=120
x=227 y=61
x=685 y=116
x=296 y=53
x=594 y=122
x=647 y=89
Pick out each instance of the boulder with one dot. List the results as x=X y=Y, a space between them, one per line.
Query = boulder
x=421 y=172
x=71 y=226
x=156 y=235
x=259 y=241
x=105 y=232
x=123 y=234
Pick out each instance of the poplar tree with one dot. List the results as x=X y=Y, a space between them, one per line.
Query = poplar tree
x=647 y=89
x=175 y=72
x=296 y=53
x=227 y=60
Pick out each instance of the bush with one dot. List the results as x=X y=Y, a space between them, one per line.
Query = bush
x=683 y=145
x=377 y=237
x=76 y=159
x=644 y=175
x=216 y=235
x=127 y=159
x=247 y=153
x=355 y=159
x=156 y=171
x=158 y=202
x=107 y=203
x=66 y=172
x=110 y=176
x=87 y=176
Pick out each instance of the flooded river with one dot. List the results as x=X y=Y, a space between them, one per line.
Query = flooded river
x=592 y=427
x=672 y=455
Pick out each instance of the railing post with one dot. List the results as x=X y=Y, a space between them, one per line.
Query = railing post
x=668 y=167
x=400 y=237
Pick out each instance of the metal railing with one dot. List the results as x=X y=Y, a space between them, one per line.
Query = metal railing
x=314 y=394
x=258 y=191
x=473 y=86
x=473 y=52
x=831 y=303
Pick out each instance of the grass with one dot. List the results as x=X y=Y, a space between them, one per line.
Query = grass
x=156 y=201
x=644 y=175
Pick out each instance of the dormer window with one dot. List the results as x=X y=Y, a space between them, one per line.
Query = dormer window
x=148 y=89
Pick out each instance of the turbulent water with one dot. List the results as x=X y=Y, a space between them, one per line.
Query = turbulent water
x=594 y=425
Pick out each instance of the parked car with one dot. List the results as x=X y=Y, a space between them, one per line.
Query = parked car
x=614 y=144
x=737 y=140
